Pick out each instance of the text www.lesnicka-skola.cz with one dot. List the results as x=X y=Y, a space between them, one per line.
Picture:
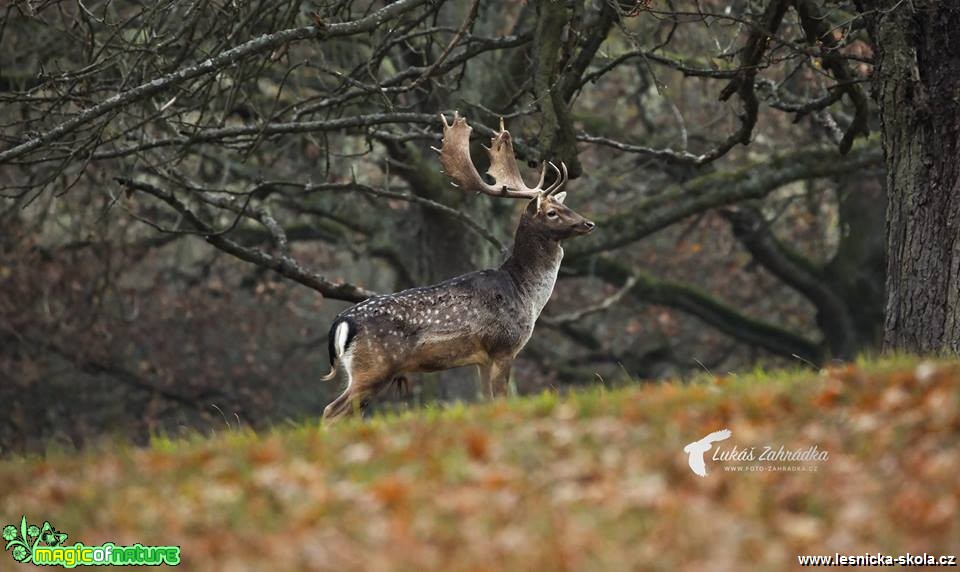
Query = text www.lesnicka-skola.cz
x=877 y=559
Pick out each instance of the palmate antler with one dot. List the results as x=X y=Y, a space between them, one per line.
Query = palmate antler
x=457 y=164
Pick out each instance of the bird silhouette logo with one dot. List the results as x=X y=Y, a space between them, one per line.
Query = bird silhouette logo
x=696 y=450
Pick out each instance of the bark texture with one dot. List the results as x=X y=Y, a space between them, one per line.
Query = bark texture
x=917 y=85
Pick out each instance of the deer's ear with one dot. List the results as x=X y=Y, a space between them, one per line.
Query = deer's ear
x=560 y=197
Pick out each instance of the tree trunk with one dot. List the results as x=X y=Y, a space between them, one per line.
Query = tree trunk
x=857 y=270
x=917 y=83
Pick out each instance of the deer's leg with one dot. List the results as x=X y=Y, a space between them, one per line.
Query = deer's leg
x=365 y=382
x=402 y=385
x=486 y=385
x=337 y=407
x=352 y=401
x=500 y=377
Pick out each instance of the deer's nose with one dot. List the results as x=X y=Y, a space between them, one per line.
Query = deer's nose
x=588 y=224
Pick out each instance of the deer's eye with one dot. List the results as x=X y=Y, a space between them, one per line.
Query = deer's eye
x=551 y=214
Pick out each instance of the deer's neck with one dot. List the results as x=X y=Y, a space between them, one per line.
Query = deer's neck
x=533 y=265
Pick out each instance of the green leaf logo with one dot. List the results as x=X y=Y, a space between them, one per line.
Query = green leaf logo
x=17 y=541
x=23 y=540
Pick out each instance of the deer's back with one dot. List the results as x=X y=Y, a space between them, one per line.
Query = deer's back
x=462 y=321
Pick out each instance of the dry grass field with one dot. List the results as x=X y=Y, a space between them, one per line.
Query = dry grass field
x=593 y=480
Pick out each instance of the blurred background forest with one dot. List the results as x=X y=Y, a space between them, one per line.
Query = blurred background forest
x=191 y=190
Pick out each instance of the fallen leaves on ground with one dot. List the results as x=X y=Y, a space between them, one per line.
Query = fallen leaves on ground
x=595 y=480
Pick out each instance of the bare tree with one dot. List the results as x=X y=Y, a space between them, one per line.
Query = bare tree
x=277 y=132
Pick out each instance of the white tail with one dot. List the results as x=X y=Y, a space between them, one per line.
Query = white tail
x=338 y=345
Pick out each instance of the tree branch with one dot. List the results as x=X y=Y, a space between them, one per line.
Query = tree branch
x=279 y=263
x=798 y=273
x=278 y=128
x=453 y=213
x=594 y=34
x=558 y=138
x=819 y=31
x=96 y=367
x=689 y=300
x=605 y=304
x=703 y=193
x=259 y=45
x=467 y=23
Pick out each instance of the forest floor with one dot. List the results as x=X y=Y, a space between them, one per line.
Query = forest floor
x=591 y=480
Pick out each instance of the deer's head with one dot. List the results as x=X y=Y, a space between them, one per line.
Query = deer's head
x=548 y=215
x=545 y=213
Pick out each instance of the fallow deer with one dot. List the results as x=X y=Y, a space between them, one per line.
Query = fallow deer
x=482 y=318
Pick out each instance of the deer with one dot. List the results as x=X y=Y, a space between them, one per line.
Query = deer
x=482 y=318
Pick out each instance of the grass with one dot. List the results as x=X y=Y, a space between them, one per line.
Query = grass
x=592 y=480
